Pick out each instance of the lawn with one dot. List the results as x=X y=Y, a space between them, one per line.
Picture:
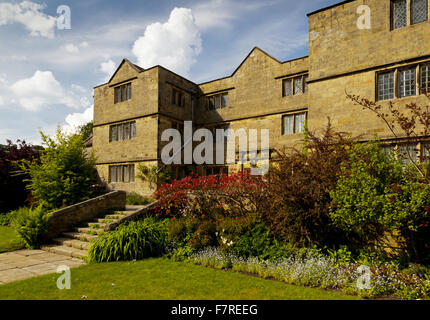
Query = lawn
x=9 y=240
x=160 y=279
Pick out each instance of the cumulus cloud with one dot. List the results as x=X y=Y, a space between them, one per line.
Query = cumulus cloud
x=74 y=120
x=108 y=68
x=71 y=48
x=174 y=44
x=41 y=90
x=30 y=15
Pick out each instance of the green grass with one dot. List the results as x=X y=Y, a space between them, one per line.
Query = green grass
x=159 y=279
x=9 y=240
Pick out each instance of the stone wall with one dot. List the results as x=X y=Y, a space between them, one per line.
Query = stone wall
x=65 y=219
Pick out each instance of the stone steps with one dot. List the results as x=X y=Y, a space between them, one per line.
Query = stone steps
x=67 y=242
x=77 y=242
x=79 y=236
x=65 y=251
x=90 y=231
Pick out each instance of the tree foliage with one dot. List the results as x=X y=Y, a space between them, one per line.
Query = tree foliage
x=13 y=192
x=65 y=175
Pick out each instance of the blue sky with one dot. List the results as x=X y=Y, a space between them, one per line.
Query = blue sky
x=47 y=74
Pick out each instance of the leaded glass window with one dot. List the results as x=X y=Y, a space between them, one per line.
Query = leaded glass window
x=225 y=100
x=386 y=86
x=294 y=123
x=133 y=130
x=288 y=87
x=425 y=78
x=419 y=11
x=289 y=124
x=217 y=102
x=298 y=85
x=408 y=152
x=399 y=14
x=407 y=83
x=306 y=83
x=425 y=151
x=300 y=122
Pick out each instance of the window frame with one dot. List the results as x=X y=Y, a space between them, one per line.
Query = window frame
x=304 y=79
x=122 y=93
x=294 y=122
x=420 y=78
x=402 y=92
x=412 y=12
x=383 y=73
x=392 y=21
x=418 y=71
x=218 y=101
x=131 y=134
x=118 y=173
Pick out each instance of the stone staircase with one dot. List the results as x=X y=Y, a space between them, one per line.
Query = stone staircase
x=75 y=243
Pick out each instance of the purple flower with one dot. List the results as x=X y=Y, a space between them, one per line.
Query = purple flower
x=421 y=275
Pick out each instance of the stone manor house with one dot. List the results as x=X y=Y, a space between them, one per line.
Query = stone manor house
x=388 y=62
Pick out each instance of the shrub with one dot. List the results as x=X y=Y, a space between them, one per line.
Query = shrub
x=65 y=175
x=191 y=232
x=375 y=194
x=218 y=195
x=248 y=236
x=13 y=192
x=359 y=199
x=31 y=225
x=298 y=189
x=133 y=241
x=135 y=199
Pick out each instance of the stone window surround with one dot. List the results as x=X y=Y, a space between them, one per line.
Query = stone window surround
x=120 y=98
x=409 y=14
x=131 y=173
x=292 y=114
x=211 y=99
x=130 y=131
x=178 y=97
x=304 y=86
x=396 y=70
x=421 y=148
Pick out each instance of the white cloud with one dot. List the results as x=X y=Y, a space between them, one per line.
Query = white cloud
x=29 y=14
x=174 y=44
x=1 y=101
x=79 y=88
x=84 y=44
x=71 y=48
x=41 y=90
x=221 y=13
x=74 y=120
x=108 y=68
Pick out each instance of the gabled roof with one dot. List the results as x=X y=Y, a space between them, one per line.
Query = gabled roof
x=135 y=67
x=249 y=54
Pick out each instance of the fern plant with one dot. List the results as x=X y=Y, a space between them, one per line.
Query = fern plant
x=31 y=225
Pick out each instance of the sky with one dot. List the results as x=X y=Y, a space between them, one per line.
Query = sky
x=49 y=64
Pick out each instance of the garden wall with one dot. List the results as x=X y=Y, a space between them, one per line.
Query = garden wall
x=65 y=219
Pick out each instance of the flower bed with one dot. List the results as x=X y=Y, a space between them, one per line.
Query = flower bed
x=319 y=271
